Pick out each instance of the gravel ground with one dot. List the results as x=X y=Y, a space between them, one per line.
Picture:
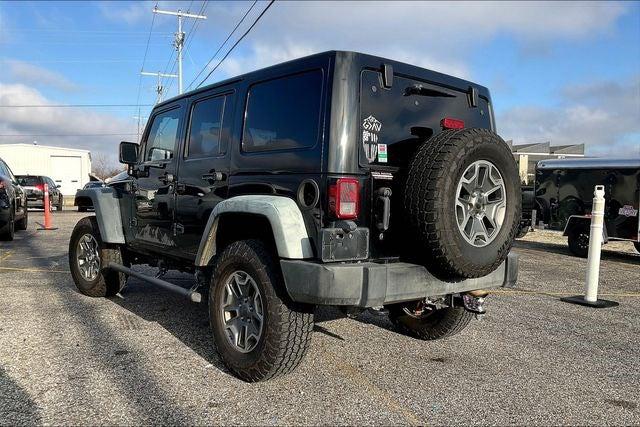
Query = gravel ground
x=147 y=356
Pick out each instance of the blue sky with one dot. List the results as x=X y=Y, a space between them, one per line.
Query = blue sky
x=564 y=72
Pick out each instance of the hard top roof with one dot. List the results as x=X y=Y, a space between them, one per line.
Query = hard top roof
x=365 y=59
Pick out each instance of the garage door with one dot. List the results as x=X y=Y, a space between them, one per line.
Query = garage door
x=66 y=171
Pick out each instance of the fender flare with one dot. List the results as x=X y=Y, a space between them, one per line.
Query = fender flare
x=289 y=231
x=585 y=220
x=107 y=206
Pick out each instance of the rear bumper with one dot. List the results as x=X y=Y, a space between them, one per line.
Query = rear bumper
x=369 y=284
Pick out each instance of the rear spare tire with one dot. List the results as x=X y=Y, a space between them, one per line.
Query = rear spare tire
x=462 y=203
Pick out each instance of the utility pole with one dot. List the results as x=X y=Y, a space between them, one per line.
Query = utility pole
x=179 y=40
x=159 y=87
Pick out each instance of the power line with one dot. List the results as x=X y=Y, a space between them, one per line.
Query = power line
x=223 y=43
x=153 y=19
x=237 y=42
x=73 y=105
x=192 y=31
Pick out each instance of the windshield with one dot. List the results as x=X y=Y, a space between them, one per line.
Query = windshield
x=29 y=181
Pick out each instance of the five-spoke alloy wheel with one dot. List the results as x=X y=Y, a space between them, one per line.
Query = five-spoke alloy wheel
x=242 y=311
x=481 y=202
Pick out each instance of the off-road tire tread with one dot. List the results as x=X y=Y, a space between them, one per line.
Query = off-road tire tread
x=432 y=165
x=285 y=345
x=109 y=282
x=452 y=321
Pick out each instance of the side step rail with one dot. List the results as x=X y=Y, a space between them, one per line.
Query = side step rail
x=189 y=293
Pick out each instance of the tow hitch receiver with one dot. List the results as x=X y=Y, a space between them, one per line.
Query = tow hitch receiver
x=473 y=304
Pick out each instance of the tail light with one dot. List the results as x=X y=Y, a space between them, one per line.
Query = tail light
x=40 y=187
x=449 y=123
x=344 y=198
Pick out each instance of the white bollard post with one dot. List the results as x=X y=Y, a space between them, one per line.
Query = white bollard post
x=590 y=297
x=595 y=245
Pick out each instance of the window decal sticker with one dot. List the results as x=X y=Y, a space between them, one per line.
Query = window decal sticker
x=370 y=128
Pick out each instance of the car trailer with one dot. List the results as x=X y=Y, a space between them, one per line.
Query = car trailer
x=564 y=193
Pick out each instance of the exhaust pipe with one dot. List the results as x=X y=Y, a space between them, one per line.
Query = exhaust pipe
x=191 y=294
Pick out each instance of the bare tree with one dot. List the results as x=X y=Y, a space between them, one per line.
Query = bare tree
x=103 y=167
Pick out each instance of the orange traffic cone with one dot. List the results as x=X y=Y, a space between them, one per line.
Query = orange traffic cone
x=47 y=211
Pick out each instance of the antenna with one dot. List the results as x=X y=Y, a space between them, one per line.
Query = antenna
x=180 y=36
x=159 y=87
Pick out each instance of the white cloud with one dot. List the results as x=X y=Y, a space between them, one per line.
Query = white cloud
x=130 y=13
x=602 y=115
x=435 y=35
x=58 y=121
x=24 y=72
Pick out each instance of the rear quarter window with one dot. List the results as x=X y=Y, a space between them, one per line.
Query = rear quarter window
x=284 y=113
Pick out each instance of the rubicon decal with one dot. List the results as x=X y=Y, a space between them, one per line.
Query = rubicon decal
x=370 y=128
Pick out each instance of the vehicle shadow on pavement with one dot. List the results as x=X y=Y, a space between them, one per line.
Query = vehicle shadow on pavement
x=99 y=336
x=185 y=320
x=16 y=406
x=607 y=255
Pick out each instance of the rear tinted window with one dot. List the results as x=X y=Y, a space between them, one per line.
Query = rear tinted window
x=283 y=113
x=30 y=180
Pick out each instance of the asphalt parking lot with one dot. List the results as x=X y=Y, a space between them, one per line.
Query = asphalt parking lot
x=148 y=357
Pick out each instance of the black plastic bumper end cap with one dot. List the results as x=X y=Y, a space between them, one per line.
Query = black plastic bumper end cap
x=579 y=299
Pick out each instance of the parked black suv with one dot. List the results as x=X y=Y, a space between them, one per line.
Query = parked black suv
x=34 y=187
x=337 y=179
x=13 y=204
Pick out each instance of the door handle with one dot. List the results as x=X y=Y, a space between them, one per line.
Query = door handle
x=166 y=178
x=213 y=176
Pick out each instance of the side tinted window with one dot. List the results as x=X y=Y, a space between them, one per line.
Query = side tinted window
x=283 y=113
x=205 y=131
x=162 y=136
x=3 y=170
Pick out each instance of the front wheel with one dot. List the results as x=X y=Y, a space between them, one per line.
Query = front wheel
x=24 y=222
x=88 y=260
x=428 y=325
x=8 y=231
x=578 y=240
x=258 y=332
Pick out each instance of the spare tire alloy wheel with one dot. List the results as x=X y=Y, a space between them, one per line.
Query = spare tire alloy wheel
x=242 y=311
x=481 y=203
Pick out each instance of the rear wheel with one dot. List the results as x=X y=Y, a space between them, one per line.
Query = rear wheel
x=578 y=239
x=259 y=333
x=637 y=245
x=8 y=232
x=88 y=258
x=428 y=325
x=60 y=201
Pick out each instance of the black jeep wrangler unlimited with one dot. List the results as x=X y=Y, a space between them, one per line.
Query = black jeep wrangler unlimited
x=337 y=179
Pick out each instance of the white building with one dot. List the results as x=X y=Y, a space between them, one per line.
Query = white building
x=68 y=167
x=528 y=155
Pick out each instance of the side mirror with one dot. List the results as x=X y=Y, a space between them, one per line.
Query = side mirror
x=128 y=153
x=58 y=186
